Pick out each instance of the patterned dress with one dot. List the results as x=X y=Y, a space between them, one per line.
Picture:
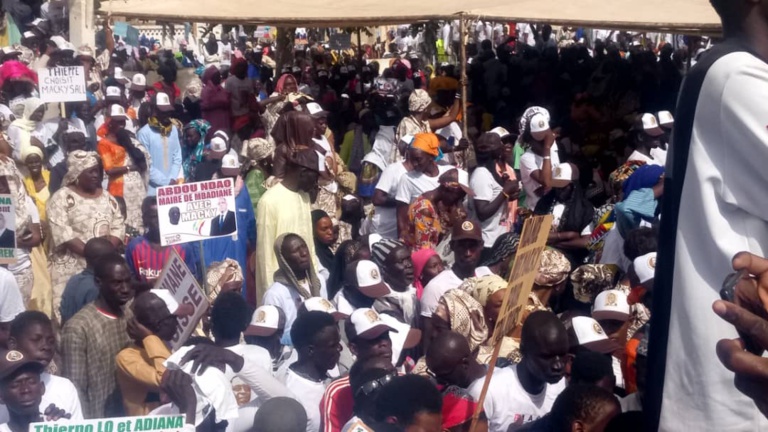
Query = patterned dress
x=72 y=216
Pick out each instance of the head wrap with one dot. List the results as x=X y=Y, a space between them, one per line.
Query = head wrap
x=418 y=101
x=285 y=275
x=219 y=273
x=465 y=316
x=196 y=155
x=381 y=250
x=554 y=268
x=24 y=123
x=617 y=178
x=16 y=70
x=194 y=89
x=484 y=287
x=644 y=177
x=280 y=86
x=427 y=142
x=420 y=258
x=79 y=161
x=458 y=407
x=504 y=247
x=590 y=280
x=29 y=151
x=258 y=149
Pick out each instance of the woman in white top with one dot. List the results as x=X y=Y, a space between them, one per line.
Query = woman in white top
x=20 y=130
x=539 y=159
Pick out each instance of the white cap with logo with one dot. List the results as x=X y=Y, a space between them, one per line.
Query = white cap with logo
x=322 y=305
x=591 y=335
x=666 y=119
x=651 y=125
x=645 y=267
x=612 y=305
x=369 y=280
x=163 y=102
x=264 y=322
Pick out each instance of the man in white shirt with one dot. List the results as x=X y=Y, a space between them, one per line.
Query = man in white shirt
x=525 y=392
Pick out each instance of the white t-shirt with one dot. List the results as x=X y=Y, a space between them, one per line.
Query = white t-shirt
x=439 y=285
x=486 y=188
x=385 y=218
x=58 y=391
x=416 y=183
x=507 y=404
x=659 y=155
x=22 y=255
x=557 y=214
x=342 y=304
x=530 y=162
x=308 y=393
x=11 y=302
x=289 y=300
x=636 y=155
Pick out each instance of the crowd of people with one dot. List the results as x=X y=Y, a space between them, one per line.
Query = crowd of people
x=375 y=229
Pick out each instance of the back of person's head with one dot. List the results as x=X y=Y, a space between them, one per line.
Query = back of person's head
x=280 y=414
x=230 y=315
x=95 y=248
x=405 y=398
x=308 y=325
x=590 y=367
x=640 y=241
x=584 y=404
x=632 y=421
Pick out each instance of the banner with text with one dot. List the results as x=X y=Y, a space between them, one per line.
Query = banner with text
x=7 y=232
x=170 y=423
x=196 y=211
x=177 y=279
x=62 y=84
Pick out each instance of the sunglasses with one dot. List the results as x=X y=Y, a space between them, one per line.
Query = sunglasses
x=372 y=386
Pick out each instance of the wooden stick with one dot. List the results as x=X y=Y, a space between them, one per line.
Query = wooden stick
x=463 y=58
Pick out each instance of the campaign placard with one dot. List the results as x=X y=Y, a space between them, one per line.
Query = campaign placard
x=167 y=423
x=177 y=279
x=196 y=211
x=7 y=230
x=62 y=84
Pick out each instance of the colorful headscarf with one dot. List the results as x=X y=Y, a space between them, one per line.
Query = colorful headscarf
x=554 y=268
x=79 y=161
x=465 y=316
x=427 y=142
x=484 y=287
x=285 y=275
x=617 y=178
x=195 y=156
x=160 y=128
x=420 y=258
x=589 y=280
x=418 y=101
x=281 y=82
x=219 y=273
x=16 y=70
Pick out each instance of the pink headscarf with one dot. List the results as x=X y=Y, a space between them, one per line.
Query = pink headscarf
x=281 y=82
x=420 y=258
x=14 y=70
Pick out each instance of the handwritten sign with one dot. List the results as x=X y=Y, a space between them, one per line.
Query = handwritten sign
x=177 y=279
x=196 y=211
x=62 y=84
x=7 y=230
x=171 y=423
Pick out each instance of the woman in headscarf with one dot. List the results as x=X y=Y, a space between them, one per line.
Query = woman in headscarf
x=36 y=182
x=426 y=265
x=502 y=253
x=126 y=163
x=295 y=280
x=191 y=99
x=459 y=312
x=195 y=137
x=432 y=215
x=418 y=120
x=214 y=101
x=20 y=130
x=324 y=237
x=260 y=153
x=78 y=212
x=489 y=291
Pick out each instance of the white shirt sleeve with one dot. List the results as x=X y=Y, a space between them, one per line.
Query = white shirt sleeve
x=481 y=184
x=388 y=180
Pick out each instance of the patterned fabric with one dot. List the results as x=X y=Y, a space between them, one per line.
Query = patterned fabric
x=408 y=126
x=425 y=227
x=219 y=273
x=72 y=216
x=554 y=268
x=504 y=247
x=192 y=157
x=88 y=359
x=77 y=162
x=481 y=288
x=590 y=280
x=465 y=315
x=158 y=127
x=458 y=407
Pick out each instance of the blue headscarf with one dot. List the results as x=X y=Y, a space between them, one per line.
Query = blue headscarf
x=643 y=178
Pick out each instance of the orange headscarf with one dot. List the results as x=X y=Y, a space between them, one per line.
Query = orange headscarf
x=427 y=142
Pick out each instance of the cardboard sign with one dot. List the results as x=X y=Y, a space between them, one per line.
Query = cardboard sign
x=196 y=211
x=340 y=41
x=8 y=226
x=167 y=423
x=177 y=279
x=62 y=84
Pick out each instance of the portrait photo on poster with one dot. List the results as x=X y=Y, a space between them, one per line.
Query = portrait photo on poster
x=196 y=211
x=7 y=229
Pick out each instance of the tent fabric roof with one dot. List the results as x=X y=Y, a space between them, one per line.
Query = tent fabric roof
x=659 y=15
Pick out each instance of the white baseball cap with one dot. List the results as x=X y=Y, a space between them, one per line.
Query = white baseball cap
x=265 y=321
x=315 y=109
x=645 y=267
x=369 y=280
x=500 y=131
x=612 y=305
x=230 y=165
x=113 y=91
x=173 y=306
x=651 y=125
x=366 y=323
x=218 y=147
x=138 y=82
x=60 y=42
x=591 y=335
x=120 y=76
x=665 y=118
x=117 y=111
x=539 y=126
x=562 y=175
x=403 y=337
x=163 y=102
x=322 y=305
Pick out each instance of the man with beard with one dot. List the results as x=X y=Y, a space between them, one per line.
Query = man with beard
x=145 y=255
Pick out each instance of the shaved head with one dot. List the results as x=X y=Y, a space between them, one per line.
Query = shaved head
x=542 y=328
x=448 y=356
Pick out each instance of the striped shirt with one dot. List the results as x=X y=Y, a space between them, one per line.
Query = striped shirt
x=337 y=405
x=146 y=262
